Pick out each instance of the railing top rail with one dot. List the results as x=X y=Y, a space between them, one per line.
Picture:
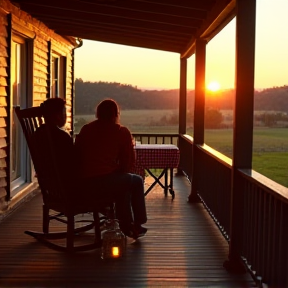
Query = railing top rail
x=155 y=134
x=277 y=190
x=187 y=137
x=216 y=154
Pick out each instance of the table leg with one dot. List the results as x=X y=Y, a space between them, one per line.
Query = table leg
x=166 y=186
x=171 y=184
x=157 y=180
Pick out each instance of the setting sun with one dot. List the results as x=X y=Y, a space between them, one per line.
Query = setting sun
x=213 y=86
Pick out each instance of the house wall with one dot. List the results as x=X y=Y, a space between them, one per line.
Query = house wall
x=44 y=41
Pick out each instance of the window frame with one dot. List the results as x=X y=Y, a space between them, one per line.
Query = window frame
x=21 y=47
x=58 y=75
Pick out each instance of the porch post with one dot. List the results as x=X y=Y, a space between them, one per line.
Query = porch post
x=243 y=123
x=183 y=96
x=199 y=111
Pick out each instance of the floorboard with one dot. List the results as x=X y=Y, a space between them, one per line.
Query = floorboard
x=183 y=248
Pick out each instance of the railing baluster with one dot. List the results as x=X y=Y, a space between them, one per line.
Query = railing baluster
x=267 y=235
x=147 y=138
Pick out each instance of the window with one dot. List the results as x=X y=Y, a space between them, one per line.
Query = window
x=58 y=75
x=19 y=169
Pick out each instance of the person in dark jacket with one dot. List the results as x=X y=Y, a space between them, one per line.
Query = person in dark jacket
x=54 y=145
x=106 y=159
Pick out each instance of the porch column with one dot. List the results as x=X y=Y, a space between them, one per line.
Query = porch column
x=183 y=96
x=243 y=123
x=199 y=111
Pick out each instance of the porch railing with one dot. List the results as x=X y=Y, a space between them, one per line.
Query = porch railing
x=214 y=185
x=146 y=138
x=265 y=242
x=185 y=144
x=265 y=214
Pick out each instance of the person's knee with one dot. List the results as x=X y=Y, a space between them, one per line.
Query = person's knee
x=137 y=183
x=137 y=179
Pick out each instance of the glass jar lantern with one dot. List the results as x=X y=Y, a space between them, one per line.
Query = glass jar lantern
x=113 y=240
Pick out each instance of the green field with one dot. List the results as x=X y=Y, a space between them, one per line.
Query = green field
x=273 y=165
x=270 y=150
x=138 y=120
x=270 y=145
x=264 y=140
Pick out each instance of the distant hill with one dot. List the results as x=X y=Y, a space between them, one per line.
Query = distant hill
x=275 y=98
x=89 y=94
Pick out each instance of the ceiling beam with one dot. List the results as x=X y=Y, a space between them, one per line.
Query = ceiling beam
x=136 y=42
x=104 y=29
x=118 y=7
x=118 y=19
x=217 y=19
x=204 y=5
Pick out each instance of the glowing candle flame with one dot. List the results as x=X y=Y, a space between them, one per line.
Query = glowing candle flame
x=115 y=252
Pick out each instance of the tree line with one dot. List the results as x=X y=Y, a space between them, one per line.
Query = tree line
x=89 y=94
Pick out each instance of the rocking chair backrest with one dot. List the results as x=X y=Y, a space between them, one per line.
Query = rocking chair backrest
x=48 y=177
x=30 y=120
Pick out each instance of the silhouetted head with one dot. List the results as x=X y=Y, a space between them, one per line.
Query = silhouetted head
x=54 y=111
x=108 y=110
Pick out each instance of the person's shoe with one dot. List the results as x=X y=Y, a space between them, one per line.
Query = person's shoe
x=140 y=232
x=133 y=231
x=127 y=229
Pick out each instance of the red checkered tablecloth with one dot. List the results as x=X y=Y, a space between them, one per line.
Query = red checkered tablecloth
x=155 y=156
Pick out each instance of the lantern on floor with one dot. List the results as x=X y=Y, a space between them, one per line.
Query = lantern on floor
x=113 y=240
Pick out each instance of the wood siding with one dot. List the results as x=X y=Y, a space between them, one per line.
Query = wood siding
x=40 y=35
x=4 y=64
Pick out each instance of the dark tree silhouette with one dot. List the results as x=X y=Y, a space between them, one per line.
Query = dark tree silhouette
x=89 y=94
x=213 y=118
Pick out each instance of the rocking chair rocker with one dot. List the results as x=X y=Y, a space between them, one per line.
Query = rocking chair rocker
x=56 y=204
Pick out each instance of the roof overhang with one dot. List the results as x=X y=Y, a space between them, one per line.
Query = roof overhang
x=167 y=25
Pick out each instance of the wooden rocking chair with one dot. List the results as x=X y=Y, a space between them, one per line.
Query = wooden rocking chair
x=56 y=205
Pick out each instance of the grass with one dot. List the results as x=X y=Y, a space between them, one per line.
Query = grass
x=137 y=120
x=273 y=165
x=270 y=150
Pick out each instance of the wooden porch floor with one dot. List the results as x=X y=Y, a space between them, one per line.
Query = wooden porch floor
x=183 y=248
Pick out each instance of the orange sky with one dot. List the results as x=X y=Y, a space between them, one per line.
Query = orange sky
x=151 y=69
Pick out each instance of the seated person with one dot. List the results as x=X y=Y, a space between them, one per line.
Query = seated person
x=54 y=112
x=106 y=157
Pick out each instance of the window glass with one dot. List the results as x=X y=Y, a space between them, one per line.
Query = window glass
x=18 y=149
x=58 y=75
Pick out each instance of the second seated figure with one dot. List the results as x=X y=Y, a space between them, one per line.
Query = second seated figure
x=106 y=159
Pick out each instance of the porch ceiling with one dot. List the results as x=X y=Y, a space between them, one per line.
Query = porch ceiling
x=167 y=25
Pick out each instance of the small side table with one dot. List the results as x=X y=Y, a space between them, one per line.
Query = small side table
x=157 y=156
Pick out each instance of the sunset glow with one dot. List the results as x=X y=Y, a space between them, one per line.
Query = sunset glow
x=213 y=86
x=140 y=67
